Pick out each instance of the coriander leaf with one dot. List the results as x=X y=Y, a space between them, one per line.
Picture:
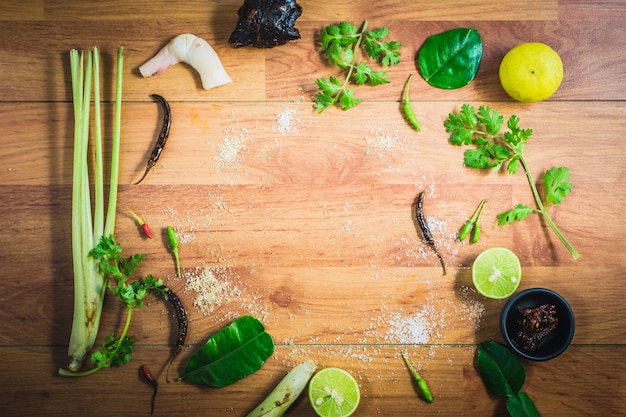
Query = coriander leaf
x=514 y=164
x=379 y=33
x=347 y=100
x=518 y=213
x=461 y=137
x=378 y=78
x=122 y=354
x=342 y=44
x=517 y=137
x=557 y=184
x=347 y=29
x=500 y=152
x=133 y=261
x=386 y=53
x=361 y=73
x=479 y=158
x=328 y=34
x=336 y=54
x=469 y=116
x=492 y=121
x=493 y=149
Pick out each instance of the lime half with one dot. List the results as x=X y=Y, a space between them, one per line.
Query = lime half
x=496 y=273
x=333 y=392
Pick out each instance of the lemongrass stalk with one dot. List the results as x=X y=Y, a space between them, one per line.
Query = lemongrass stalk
x=98 y=225
x=109 y=225
x=86 y=276
x=89 y=282
x=77 y=338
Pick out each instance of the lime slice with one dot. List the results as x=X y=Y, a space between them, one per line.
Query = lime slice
x=333 y=392
x=496 y=273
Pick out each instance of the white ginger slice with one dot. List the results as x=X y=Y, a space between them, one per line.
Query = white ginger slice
x=191 y=50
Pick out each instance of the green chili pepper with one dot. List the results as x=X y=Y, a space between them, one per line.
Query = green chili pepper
x=473 y=224
x=476 y=230
x=467 y=227
x=421 y=382
x=171 y=235
x=406 y=106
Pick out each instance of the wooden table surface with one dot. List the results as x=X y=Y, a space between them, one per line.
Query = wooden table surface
x=304 y=219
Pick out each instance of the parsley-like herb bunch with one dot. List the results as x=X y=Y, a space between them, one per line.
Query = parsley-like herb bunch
x=117 y=351
x=493 y=149
x=341 y=45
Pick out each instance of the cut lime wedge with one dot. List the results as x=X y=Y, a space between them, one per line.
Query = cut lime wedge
x=496 y=273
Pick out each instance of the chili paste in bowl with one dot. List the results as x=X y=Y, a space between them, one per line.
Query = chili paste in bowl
x=537 y=324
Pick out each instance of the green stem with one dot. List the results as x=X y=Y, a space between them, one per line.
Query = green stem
x=355 y=51
x=65 y=372
x=109 y=226
x=98 y=225
x=541 y=209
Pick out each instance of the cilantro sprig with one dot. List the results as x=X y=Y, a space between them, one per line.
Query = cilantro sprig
x=117 y=351
x=493 y=149
x=341 y=45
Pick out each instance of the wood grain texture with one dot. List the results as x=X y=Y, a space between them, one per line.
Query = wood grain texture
x=305 y=218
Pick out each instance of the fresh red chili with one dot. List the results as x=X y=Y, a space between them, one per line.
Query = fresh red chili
x=140 y=222
x=153 y=382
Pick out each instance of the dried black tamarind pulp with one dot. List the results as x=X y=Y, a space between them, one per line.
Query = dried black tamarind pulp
x=266 y=23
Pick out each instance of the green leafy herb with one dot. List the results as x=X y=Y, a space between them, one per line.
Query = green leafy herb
x=341 y=45
x=451 y=59
x=231 y=354
x=504 y=375
x=117 y=351
x=493 y=149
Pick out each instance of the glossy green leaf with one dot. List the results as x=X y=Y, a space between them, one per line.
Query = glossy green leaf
x=451 y=59
x=521 y=405
x=501 y=371
x=231 y=354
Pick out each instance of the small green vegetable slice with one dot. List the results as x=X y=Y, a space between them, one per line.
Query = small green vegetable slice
x=450 y=60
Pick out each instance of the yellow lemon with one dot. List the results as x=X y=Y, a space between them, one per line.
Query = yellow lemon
x=531 y=72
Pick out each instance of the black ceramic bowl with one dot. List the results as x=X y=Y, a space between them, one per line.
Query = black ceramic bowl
x=556 y=342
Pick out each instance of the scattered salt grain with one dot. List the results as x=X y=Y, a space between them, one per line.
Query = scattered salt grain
x=416 y=328
x=210 y=291
x=284 y=120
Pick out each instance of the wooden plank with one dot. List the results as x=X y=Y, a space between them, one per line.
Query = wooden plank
x=385 y=384
x=287 y=143
x=304 y=220
x=13 y=10
x=278 y=74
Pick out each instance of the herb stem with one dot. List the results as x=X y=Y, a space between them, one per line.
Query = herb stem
x=357 y=46
x=541 y=209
